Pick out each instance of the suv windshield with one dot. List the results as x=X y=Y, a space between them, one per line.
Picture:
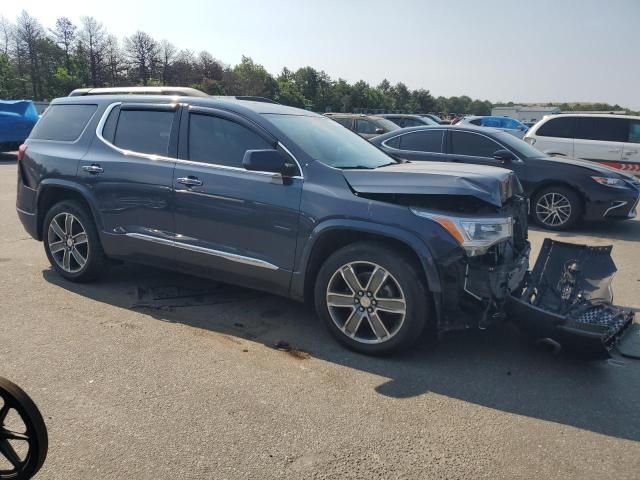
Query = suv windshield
x=522 y=148
x=329 y=142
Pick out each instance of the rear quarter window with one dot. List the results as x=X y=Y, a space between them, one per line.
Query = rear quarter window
x=602 y=128
x=63 y=123
x=559 y=127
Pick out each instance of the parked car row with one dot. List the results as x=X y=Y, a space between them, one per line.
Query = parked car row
x=562 y=191
x=17 y=118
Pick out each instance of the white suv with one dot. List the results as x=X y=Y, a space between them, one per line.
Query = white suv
x=606 y=138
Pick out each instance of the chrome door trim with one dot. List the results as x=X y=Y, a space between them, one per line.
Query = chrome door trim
x=255 y=262
x=122 y=151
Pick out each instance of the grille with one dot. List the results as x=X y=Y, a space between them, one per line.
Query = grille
x=604 y=316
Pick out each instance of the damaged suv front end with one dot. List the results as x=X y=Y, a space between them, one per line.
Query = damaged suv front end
x=481 y=213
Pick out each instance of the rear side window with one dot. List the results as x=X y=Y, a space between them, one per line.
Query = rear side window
x=365 y=126
x=219 y=141
x=144 y=131
x=412 y=122
x=559 y=127
x=345 y=122
x=476 y=121
x=602 y=128
x=63 y=122
x=492 y=122
x=471 y=144
x=422 y=141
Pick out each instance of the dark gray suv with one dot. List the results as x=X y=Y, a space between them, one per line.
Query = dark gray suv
x=278 y=199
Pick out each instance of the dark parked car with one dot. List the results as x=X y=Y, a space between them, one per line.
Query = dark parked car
x=562 y=191
x=367 y=126
x=405 y=120
x=278 y=199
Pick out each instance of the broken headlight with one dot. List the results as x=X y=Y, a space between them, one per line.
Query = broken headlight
x=475 y=235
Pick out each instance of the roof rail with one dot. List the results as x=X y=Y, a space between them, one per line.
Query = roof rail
x=180 y=91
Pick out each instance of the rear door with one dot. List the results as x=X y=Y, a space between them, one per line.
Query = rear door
x=631 y=149
x=471 y=147
x=600 y=139
x=129 y=170
x=232 y=224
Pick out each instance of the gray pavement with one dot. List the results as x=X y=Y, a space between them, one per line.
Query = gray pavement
x=155 y=375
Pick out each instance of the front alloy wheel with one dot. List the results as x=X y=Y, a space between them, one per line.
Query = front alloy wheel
x=556 y=208
x=366 y=302
x=373 y=299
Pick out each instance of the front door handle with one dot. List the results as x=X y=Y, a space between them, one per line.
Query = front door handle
x=94 y=168
x=190 y=181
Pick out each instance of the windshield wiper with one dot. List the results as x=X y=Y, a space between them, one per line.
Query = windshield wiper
x=353 y=167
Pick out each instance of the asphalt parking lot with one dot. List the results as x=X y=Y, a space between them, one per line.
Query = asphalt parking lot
x=152 y=375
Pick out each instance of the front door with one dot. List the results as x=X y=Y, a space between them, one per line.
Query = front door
x=600 y=139
x=129 y=171
x=232 y=224
x=471 y=147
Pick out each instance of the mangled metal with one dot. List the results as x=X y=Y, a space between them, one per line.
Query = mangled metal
x=567 y=299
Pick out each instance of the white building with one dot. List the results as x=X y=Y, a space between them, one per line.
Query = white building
x=524 y=113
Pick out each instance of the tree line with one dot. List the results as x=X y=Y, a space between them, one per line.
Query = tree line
x=43 y=63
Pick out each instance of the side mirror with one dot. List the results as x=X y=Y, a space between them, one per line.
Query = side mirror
x=504 y=156
x=269 y=161
x=380 y=130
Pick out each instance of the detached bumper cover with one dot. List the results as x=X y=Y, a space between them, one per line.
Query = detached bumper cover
x=567 y=297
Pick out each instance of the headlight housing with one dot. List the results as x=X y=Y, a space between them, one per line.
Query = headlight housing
x=610 y=182
x=475 y=235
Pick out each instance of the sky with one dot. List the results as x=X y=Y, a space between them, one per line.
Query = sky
x=499 y=50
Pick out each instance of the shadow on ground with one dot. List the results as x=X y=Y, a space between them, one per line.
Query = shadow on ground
x=496 y=369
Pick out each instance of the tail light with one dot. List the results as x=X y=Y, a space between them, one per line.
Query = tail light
x=21 y=149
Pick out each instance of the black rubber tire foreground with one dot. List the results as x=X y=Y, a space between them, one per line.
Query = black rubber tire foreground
x=14 y=398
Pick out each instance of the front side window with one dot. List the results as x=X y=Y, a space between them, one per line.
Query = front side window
x=220 y=141
x=471 y=144
x=144 y=131
x=425 y=141
x=558 y=127
x=345 y=122
x=63 y=123
x=602 y=128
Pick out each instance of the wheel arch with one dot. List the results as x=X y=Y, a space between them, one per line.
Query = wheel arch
x=327 y=238
x=52 y=192
x=559 y=183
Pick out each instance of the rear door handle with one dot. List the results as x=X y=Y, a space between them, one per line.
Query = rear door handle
x=94 y=168
x=190 y=181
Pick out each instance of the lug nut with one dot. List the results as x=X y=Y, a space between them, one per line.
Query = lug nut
x=368 y=294
x=362 y=309
x=373 y=302
x=361 y=293
x=356 y=300
x=370 y=310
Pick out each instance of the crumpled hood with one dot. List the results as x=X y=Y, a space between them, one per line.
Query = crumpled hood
x=490 y=184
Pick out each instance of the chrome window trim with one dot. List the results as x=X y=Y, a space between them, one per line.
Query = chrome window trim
x=255 y=262
x=148 y=156
x=442 y=144
x=417 y=131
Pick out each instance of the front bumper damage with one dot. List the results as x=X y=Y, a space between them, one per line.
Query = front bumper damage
x=567 y=298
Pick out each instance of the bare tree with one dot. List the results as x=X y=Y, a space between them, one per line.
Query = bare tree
x=64 y=35
x=5 y=34
x=92 y=39
x=209 y=67
x=28 y=34
x=167 y=54
x=114 y=60
x=143 y=53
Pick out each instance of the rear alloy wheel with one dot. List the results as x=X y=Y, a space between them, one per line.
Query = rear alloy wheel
x=556 y=208
x=71 y=242
x=372 y=299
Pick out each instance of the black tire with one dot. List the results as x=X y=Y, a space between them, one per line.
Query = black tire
x=13 y=398
x=556 y=222
x=403 y=274
x=95 y=258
